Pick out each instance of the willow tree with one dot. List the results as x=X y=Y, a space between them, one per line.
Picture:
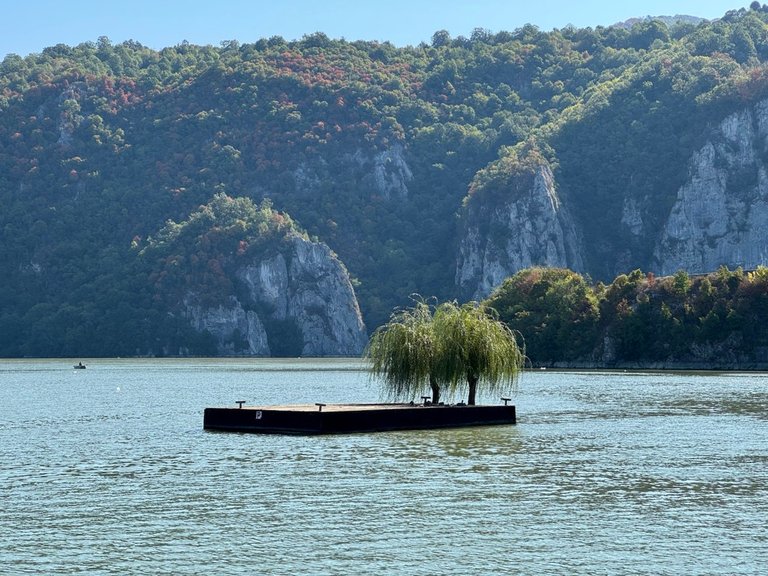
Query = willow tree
x=454 y=345
x=474 y=346
x=404 y=352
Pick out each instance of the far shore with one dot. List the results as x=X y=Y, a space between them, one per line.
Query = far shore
x=346 y=363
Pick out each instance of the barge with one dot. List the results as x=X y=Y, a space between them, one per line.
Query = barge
x=319 y=418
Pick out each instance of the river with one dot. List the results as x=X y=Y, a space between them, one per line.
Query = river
x=108 y=471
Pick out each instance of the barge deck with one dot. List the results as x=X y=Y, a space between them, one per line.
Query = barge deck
x=312 y=419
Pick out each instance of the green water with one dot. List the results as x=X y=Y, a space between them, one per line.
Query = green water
x=108 y=471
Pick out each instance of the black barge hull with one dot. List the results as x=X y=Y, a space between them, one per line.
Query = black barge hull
x=349 y=418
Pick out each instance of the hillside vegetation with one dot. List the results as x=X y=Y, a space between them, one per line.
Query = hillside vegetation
x=128 y=174
x=715 y=320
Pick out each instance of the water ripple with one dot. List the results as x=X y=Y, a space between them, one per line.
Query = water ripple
x=605 y=473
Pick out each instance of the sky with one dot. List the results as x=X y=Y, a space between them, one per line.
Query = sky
x=29 y=26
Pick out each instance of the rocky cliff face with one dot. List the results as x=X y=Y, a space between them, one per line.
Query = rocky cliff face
x=236 y=331
x=720 y=215
x=391 y=173
x=296 y=300
x=385 y=172
x=531 y=228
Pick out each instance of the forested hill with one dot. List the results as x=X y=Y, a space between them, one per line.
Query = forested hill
x=379 y=152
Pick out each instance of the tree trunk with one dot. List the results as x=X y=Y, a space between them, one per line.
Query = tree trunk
x=435 y=390
x=472 y=381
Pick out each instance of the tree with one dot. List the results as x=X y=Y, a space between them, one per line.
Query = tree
x=642 y=35
x=404 y=351
x=441 y=38
x=468 y=343
x=555 y=310
x=475 y=346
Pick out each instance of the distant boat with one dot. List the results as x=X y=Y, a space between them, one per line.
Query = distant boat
x=79 y=366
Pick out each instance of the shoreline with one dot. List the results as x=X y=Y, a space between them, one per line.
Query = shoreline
x=351 y=363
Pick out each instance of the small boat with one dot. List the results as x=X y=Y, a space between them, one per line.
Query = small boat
x=79 y=366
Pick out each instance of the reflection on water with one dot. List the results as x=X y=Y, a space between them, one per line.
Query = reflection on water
x=108 y=471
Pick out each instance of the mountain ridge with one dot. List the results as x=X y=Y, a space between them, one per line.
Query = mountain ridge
x=381 y=153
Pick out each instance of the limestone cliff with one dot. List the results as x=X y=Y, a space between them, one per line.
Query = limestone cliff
x=385 y=173
x=235 y=330
x=294 y=300
x=527 y=227
x=391 y=173
x=720 y=215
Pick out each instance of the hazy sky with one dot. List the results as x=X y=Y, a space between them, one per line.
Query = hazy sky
x=30 y=26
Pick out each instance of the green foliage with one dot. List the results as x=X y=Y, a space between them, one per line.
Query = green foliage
x=404 y=353
x=555 y=310
x=448 y=347
x=638 y=317
x=200 y=254
x=511 y=174
x=476 y=349
x=285 y=338
x=102 y=145
x=681 y=282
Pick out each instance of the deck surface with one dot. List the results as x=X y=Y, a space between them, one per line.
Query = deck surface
x=334 y=407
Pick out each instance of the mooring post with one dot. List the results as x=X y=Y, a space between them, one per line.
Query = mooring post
x=240 y=403
x=425 y=399
x=320 y=406
x=506 y=400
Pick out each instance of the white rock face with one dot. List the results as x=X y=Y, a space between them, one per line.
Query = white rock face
x=267 y=282
x=385 y=173
x=227 y=323
x=721 y=212
x=500 y=239
x=303 y=289
x=309 y=286
x=391 y=172
x=631 y=217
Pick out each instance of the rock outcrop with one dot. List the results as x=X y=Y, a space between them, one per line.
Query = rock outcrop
x=720 y=216
x=235 y=330
x=391 y=173
x=385 y=173
x=528 y=228
x=296 y=300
